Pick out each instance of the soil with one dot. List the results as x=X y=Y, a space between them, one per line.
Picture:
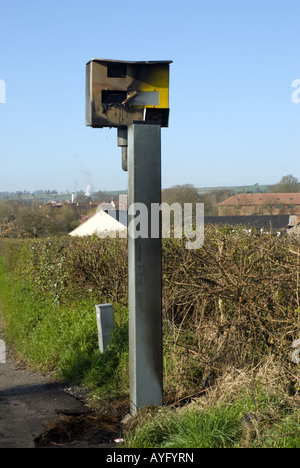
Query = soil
x=35 y=412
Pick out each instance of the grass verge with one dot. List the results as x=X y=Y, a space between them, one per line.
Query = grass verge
x=62 y=340
x=247 y=418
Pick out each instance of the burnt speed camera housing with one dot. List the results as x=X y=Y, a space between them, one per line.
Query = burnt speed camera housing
x=120 y=92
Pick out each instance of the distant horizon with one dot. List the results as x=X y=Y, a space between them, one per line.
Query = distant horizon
x=70 y=192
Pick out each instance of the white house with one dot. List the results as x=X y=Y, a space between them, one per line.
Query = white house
x=102 y=224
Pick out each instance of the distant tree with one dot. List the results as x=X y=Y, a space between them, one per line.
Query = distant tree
x=63 y=220
x=82 y=198
x=34 y=221
x=188 y=194
x=101 y=196
x=4 y=212
x=211 y=200
x=287 y=184
x=9 y=209
x=180 y=194
x=269 y=206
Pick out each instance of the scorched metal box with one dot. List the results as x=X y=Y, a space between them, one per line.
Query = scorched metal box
x=118 y=92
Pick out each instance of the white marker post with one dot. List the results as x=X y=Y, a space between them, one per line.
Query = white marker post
x=105 y=324
x=2 y=352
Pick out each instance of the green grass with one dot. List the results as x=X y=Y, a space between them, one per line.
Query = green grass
x=63 y=339
x=219 y=426
x=215 y=428
x=284 y=433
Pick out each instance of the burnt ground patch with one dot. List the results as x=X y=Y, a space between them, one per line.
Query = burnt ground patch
x=87 y=429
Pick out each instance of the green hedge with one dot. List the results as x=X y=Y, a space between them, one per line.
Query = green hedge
x=231 y=303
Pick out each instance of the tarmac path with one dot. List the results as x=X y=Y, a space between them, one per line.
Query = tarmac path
x=28 y=402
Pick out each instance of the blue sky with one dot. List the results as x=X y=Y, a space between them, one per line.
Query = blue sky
x=232 y=119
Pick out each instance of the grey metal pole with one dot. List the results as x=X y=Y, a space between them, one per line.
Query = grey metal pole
x=123 y=142
x=145 y=278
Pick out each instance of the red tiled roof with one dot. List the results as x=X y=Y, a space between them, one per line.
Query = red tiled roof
x=262 y=198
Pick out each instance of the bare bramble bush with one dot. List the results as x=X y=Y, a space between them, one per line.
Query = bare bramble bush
x=231 y=304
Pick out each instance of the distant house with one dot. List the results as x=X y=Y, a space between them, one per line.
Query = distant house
x=54 y=203
x=106 y=206
x=247 y=204
x=103 y=224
